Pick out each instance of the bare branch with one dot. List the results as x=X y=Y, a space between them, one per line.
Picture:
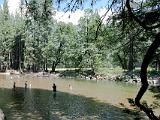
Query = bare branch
x=26 y=2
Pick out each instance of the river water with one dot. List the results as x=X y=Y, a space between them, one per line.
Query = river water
x=83 y=100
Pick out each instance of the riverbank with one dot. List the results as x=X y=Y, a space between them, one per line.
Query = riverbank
x=112 y=74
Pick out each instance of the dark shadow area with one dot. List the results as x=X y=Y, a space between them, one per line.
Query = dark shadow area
x=156 y=91
x=69 y=73
x=136 y=72
x=38 y=104
x=76 y=73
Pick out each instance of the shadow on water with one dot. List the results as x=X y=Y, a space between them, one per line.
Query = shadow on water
x=38 y=104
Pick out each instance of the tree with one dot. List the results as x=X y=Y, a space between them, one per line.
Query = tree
x=38 y=22
x=7 y=35
x=19 y=43
x=60 y=43
x=33 y=53
x=147 y=24
x=46 y=22
x=90 y=54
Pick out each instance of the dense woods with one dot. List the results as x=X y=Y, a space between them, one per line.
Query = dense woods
x=33 y=40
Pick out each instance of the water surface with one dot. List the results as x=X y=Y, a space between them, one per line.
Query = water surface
x=88 y=100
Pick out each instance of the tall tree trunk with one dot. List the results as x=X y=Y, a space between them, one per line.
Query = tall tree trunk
x=130 y=62
x=121 y=62
x=53 y=67
x=147 y=59
x=20 y=52
x=9 y=59
x=20 y=68
x=59 y=54
x=45 y=65
x=157 y=63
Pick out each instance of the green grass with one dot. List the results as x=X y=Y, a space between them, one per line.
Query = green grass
x=119 y=71
x=110 y=71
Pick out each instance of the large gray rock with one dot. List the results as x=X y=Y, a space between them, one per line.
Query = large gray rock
x=2 y=116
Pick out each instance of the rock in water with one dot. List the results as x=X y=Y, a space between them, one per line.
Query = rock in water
x=2 y=117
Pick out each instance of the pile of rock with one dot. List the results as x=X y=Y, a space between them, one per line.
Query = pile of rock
x=94 y=77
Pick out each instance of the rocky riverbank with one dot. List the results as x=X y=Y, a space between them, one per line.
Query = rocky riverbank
x=122 y=78
x=89 y=75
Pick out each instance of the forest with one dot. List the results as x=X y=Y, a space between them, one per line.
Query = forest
x=33 y=40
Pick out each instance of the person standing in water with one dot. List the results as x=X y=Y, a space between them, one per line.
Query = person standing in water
x=25 y=84
x=54 y=87
x=14 y=85
x=70 y=87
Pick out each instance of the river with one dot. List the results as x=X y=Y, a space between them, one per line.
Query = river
x=83 y=100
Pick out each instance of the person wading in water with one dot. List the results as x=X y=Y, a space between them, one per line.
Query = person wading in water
x=54 y=87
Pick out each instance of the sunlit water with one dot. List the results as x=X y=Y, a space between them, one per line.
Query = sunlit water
x=87 y=100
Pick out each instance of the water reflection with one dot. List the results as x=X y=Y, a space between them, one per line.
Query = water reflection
x=37 y=104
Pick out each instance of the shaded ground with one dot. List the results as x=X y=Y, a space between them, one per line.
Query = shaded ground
x=156 y=91
x=37 y=104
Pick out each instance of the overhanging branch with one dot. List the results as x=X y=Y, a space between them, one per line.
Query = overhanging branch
x=141 y=23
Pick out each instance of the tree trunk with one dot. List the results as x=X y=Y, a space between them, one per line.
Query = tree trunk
x=157 y=63
x=46 y=67
x=53 y=67
x=55 y=63
x=130 y=62
x=121 y=62
x=147 y=59
x=78 y=61
x=59 y=54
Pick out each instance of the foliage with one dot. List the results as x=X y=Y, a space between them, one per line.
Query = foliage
x=36 y=41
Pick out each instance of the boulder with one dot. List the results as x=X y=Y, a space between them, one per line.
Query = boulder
x=2 y=116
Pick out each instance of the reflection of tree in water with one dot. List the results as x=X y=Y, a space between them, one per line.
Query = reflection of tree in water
x=39 y=104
